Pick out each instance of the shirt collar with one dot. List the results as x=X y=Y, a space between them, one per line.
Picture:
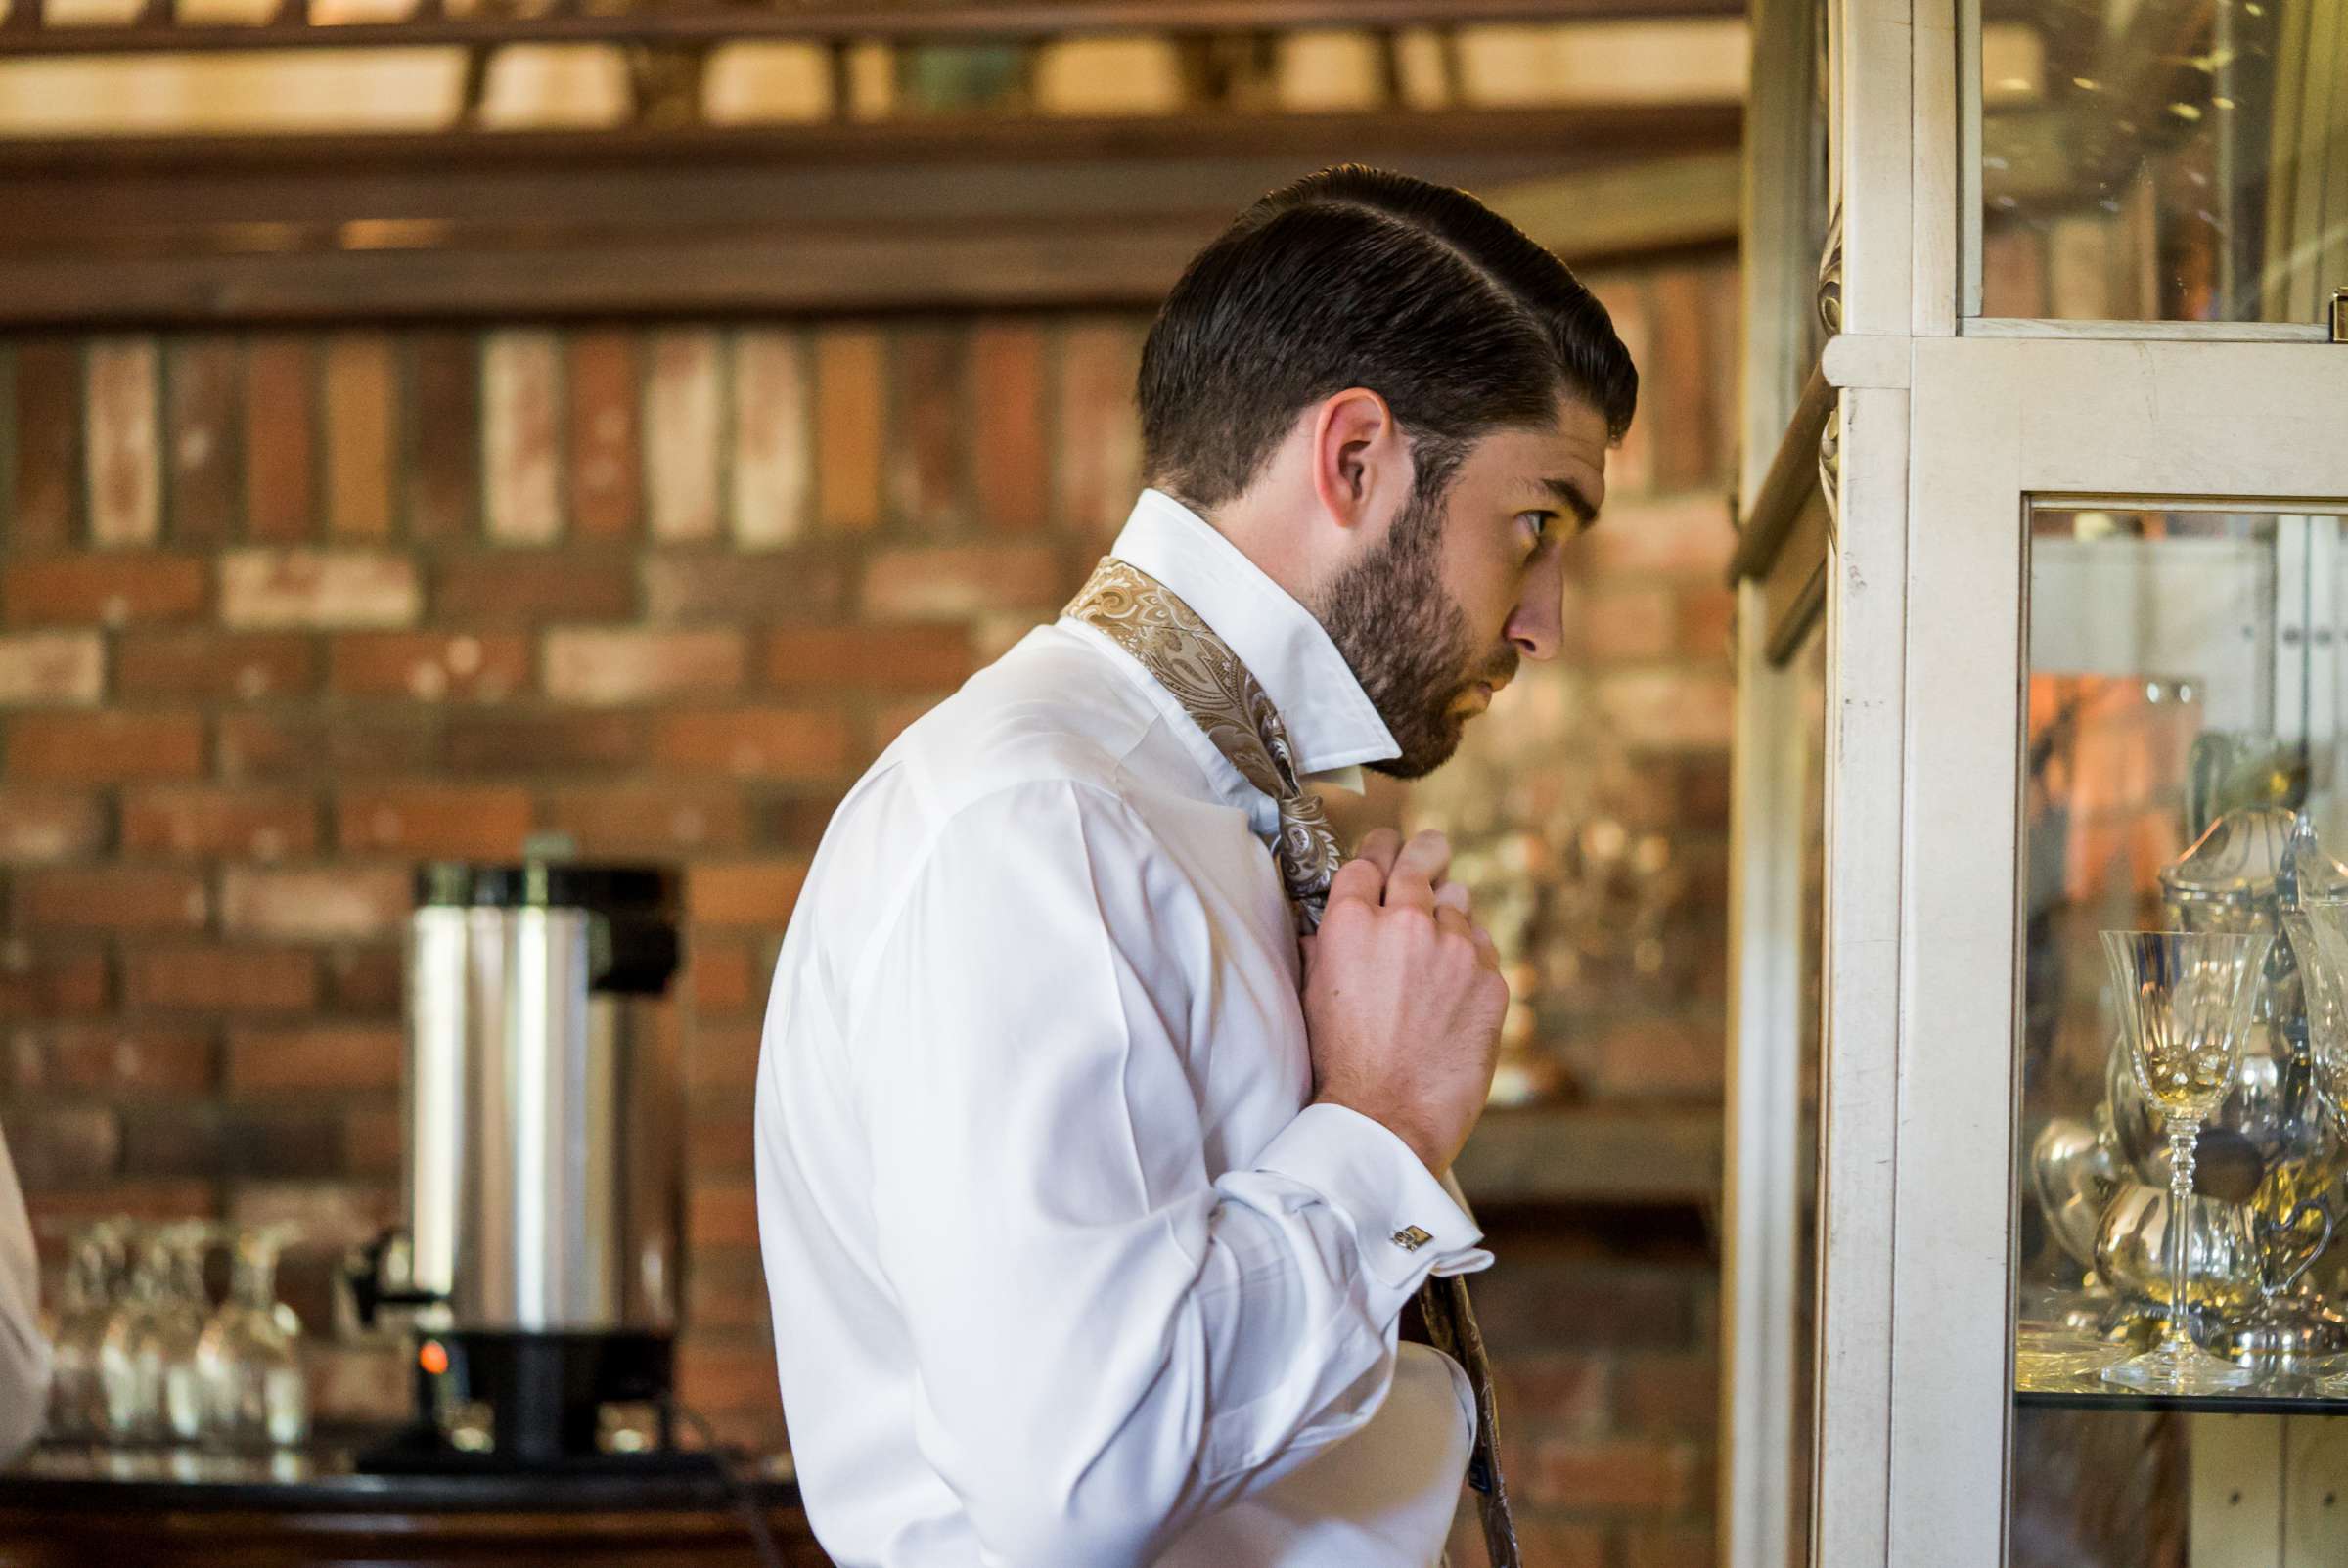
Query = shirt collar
x=1331 y=721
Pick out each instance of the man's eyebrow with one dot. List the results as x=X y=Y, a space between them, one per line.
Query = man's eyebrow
x=1571 y=494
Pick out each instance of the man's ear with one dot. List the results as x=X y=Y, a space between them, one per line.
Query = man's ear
x=1356 y=451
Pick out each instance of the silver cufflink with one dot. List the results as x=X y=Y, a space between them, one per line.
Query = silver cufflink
x=1411 y=1239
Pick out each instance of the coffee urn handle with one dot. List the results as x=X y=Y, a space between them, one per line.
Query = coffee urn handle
x=376 y=1274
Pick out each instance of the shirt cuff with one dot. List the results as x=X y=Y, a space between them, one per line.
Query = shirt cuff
x=1406 y=1226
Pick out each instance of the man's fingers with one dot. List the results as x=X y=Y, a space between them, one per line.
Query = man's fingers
x=1456 y=896
x=1454 y=922
x=1417 y=868
x=1428 y=854
x=1485 y=946
x=1363 y=880
x=1380 y=846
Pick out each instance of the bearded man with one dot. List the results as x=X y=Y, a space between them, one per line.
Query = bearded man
x=1103 y=1115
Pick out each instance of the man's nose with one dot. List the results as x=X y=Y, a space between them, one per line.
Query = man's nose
x=1537 y=625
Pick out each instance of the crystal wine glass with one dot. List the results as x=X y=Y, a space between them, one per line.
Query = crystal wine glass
x=2185 y=1000
x=2318 y=933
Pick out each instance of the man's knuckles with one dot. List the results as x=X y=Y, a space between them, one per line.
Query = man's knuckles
x=1434 y=944
x=1412 y=923
x=1345 y=925
x=1357 y=881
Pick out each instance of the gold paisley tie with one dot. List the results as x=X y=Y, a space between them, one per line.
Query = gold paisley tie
x=1182 y=652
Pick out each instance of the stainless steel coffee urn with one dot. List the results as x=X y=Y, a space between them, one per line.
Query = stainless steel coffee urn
x=537 y=1266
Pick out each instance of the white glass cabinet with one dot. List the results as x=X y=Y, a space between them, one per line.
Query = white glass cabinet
x=2043 y=613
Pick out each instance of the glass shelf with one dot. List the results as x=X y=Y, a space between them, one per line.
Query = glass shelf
x=2244 y=1404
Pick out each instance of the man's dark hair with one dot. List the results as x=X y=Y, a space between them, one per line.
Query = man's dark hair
x=1357 y=277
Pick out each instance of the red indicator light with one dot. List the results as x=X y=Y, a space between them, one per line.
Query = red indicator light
x=433 y=1357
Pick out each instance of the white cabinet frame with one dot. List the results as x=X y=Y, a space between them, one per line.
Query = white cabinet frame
x=1997 y=423
x=1947 y=428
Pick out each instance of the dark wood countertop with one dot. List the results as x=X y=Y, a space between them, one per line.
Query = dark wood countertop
x=322 y=1479
x=76 y=1506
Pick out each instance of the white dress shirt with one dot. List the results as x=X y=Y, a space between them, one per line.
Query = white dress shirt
x=1065 y=1268
x=24 y=1352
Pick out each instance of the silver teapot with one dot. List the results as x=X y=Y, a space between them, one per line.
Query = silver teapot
x=2222 y=1266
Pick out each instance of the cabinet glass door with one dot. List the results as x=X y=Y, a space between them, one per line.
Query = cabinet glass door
x=2182 y=775
x=2125 y=802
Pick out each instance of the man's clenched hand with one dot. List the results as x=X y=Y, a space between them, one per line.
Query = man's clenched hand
x=1403 y=996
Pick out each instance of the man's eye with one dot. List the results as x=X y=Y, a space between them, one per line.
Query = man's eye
x=1540 y=521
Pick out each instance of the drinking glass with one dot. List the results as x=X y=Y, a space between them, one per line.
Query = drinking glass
x=253 y=1394
x=2185 y=1002
x=76 y=1393
x=132 y=1353
x=180 y=1325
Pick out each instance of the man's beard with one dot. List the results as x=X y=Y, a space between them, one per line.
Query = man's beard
x=1407 y=639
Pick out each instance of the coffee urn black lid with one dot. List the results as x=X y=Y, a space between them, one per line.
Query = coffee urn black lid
x=612 y=890
x=632 y=935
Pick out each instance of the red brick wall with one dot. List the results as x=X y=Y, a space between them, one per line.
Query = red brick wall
x=281 y=613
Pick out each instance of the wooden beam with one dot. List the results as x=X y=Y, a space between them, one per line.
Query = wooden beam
x=968 y=19
x=789 y=220
x=1659 y=204
x=1548 y=140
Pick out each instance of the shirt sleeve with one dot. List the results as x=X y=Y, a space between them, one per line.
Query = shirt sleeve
x=1108 y=1342
x=24 y=1352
